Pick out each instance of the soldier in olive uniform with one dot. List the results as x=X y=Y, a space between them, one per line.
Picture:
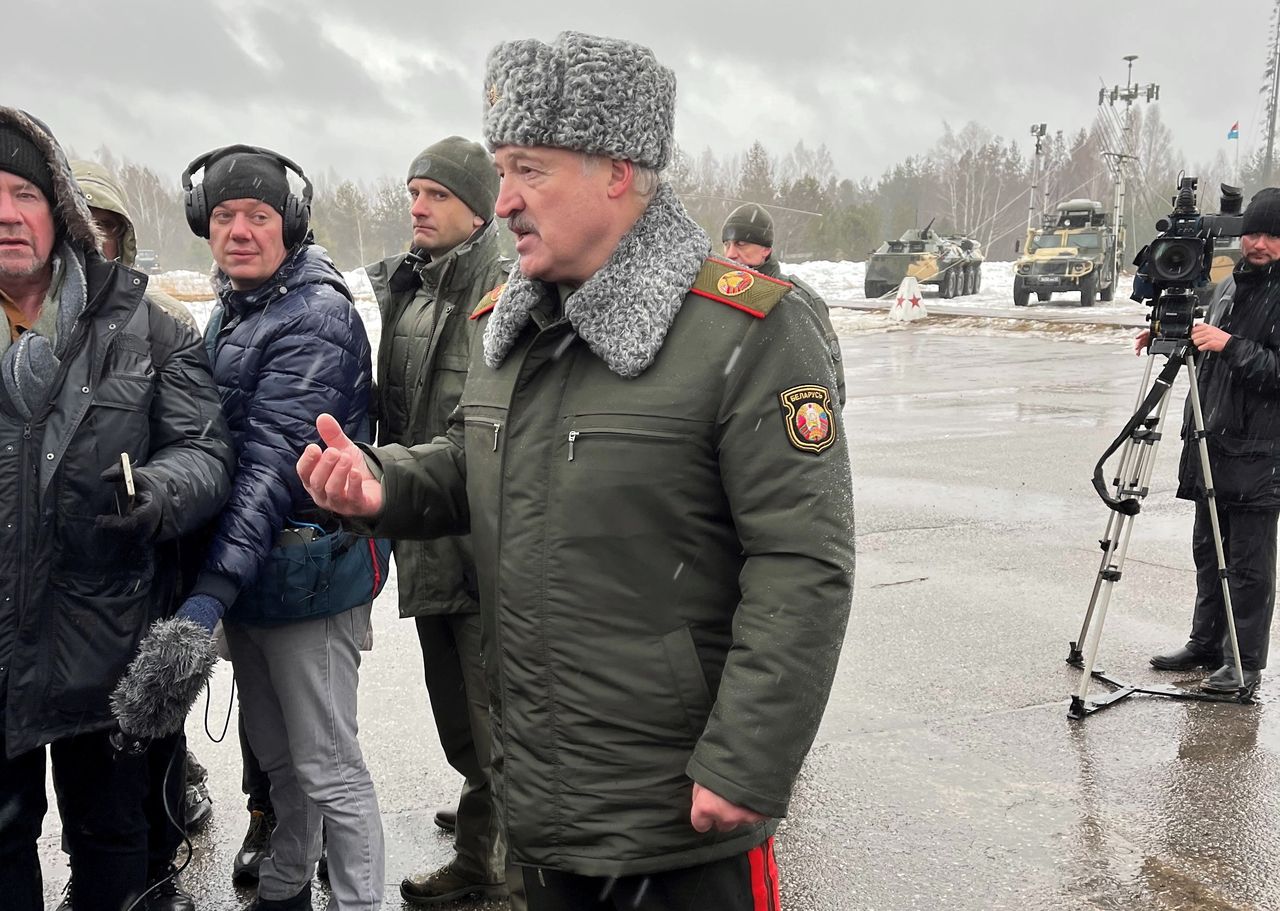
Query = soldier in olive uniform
x=654 y=472
x=747 y=236
x=425 y=297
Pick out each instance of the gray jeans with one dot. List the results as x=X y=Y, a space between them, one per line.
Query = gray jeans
x=298 y=693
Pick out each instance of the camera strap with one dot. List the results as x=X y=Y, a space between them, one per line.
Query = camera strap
x=1131 y=506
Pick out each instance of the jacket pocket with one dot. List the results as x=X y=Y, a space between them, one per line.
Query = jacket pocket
x=689 y=682
x=97 y=625
x=586 y=434
x=128 y=391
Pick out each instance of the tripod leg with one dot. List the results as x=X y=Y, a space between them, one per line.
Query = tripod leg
x=1206 y=474
x=1131 y=478
x=1138 y=479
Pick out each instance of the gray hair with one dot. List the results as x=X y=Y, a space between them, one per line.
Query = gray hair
x=645 y=180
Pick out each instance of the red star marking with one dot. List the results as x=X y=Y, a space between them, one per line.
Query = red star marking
x=901 y=301
x=915 y=302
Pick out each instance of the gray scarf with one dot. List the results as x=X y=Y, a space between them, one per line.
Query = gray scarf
x=29 y=365
x=622 y=312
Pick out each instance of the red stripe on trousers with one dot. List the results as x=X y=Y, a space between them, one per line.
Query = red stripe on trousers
x=759 y=883
x=773 y=876
x=764 y=878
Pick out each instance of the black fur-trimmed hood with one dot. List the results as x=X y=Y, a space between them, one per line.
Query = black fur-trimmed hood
x=69 y=207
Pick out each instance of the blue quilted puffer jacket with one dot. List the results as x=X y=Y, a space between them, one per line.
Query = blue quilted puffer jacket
x=282 y=354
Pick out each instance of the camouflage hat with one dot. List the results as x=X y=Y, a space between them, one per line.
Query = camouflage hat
x=748 y=224
x=601 y=96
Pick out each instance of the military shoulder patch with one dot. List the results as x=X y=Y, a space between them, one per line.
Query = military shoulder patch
x=738 y=287
x=806 y=411
x=488 y=302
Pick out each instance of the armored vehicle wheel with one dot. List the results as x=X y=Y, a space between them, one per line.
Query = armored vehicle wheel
x=977 y=278
x=872 y=290
x=1043 y=296
x=1109 y=292
x=970 y=279
x=1021 y=296
x=947 y=287
x=1088 y=289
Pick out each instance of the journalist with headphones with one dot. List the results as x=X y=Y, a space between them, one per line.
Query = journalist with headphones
x=294 y=591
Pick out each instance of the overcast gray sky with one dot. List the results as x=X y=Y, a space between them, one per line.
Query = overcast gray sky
x=362 y=86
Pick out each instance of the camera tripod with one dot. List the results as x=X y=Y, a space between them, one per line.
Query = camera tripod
x=1137 y=444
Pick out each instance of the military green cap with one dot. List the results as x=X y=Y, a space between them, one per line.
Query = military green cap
x=748 y=224
x=465 y=168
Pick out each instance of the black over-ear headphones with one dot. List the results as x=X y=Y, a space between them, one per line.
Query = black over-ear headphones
x=297 y=212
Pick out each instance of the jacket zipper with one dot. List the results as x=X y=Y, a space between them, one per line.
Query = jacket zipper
x=618 y=431
x=428 y=361
x=496 y=425
x=30 y=476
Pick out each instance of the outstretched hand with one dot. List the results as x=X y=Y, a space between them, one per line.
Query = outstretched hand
x=337 y=477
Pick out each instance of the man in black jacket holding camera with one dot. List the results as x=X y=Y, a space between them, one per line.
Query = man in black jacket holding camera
x=1239 y=383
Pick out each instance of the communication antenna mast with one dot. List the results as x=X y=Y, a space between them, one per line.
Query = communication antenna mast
x=1119 y=158
x=1271 y=110
x=1037 y=133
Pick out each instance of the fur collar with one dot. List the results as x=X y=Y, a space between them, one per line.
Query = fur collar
x=622 y=312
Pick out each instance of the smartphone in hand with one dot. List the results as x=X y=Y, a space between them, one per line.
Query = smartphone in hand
x=125 y=495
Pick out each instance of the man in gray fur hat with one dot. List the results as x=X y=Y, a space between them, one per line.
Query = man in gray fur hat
x=425 y=297
x=653 y=468
x=747 y=236
x=90 y=371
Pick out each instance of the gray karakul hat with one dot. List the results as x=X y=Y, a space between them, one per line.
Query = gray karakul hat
x=602 y=96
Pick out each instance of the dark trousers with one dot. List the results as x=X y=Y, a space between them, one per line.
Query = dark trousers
x=254 y=782
x=1249 y=542
x=745 y=882
x=454 y=670
x=100 y=798
x=164 y=805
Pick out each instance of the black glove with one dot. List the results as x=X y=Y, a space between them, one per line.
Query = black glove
x=142 y=522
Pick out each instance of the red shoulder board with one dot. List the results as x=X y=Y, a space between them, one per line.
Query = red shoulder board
x=488 y=302
x=735 y=286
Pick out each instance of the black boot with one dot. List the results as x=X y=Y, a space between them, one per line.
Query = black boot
x=197 y=805
x=255 y=848
x=1225 y=681
x=1184 y=659
x=167 y=894
x=300 y=902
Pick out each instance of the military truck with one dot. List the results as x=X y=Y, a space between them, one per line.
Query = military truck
x=147 y=261
x=1075 y=251
x=951 y=262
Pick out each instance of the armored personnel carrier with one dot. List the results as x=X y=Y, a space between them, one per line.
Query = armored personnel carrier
x=951 y=262
x=1075 y=251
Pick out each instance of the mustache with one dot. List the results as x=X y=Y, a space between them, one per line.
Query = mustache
x=521 y=224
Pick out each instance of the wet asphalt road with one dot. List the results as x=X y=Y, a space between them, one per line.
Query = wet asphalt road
x=946 y=774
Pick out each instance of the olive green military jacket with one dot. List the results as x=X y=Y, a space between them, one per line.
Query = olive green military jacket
x=658 y=491
x=773 y=269
x=422 y=366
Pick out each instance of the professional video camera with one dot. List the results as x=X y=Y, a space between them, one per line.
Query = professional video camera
x=1177 y=262
x=1170 y=269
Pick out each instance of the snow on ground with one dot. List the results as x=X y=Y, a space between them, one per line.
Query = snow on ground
x=842 y=281
x=838 y=282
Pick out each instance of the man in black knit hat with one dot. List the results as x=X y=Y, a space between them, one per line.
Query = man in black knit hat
x=90 y=371
x=1239 y=383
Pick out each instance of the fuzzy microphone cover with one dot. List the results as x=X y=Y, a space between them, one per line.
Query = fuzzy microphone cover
x=162 y=682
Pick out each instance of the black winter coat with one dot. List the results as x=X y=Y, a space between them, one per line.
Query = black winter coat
x=283 y=353
x=1240 y=395
x=74 y=600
